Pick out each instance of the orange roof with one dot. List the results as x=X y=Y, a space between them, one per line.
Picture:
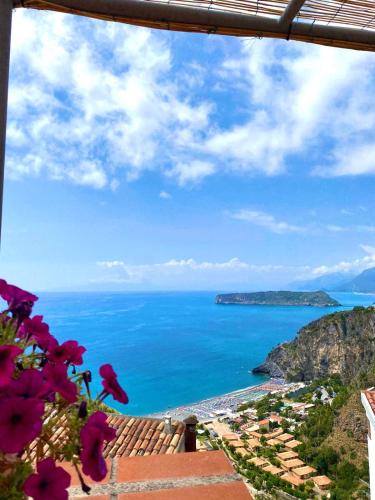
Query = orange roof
x=321 y=480
x=182 y=476
x=253 y=443
x=285 y=437
x=302 y=471
x=134 y=436
x=274 y=434
x=230 y=437
x=286 y=455
x=259 y=462
x=295 y=481
x=293 y=444
x=273 y=442
x=291 y=464
x=273 y=470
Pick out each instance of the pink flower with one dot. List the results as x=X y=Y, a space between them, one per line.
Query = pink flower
x=20 y=422
x=69 y=352
x=20 y=302
x=30 y=384
x=8 y=353
x=110 y=384
x=35 y=328
x=57 y=377
x=50 y=483
x=93 y=434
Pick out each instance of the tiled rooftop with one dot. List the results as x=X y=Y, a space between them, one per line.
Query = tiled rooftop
x=135 y=436
x=321 y=480
x=295 y=481
x=143 y=436
x=182 y=476
x=286 y=455
x=293 y=443
x=302 y=471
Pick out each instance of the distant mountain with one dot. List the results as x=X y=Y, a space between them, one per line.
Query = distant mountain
x=327 y=282
x=281 y=298
x=364 y=282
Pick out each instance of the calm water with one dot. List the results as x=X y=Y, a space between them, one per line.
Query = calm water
x=171 y=349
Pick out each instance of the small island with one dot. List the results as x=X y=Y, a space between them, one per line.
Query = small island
x=281 y=298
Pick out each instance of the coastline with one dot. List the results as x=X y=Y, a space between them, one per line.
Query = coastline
x=225 y=404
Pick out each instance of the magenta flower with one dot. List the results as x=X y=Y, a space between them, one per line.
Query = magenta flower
x=69 y=352
x=36 y=329
x=93 y=434
x=50 y=483
x=57 y=377
x=30 y=384
x=20 y=302
x=8 y=353
x=20 y=422
x=110 y=384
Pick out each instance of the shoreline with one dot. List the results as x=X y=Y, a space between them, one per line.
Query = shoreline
x=225 y=404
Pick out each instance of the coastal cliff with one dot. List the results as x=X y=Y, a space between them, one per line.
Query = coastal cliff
x=281 y=298
x=342 y=343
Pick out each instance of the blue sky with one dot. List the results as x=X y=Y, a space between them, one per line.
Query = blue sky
x=146 y=160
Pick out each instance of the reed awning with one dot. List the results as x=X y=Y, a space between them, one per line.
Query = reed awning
x=346 y=23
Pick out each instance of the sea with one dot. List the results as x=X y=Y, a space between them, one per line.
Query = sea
x=171 y=349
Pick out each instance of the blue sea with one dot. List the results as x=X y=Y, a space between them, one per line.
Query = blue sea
x=171 y=349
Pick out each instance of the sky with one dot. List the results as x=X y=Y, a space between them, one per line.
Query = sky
x=146 y=160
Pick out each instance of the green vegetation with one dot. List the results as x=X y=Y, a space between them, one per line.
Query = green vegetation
x=316 y=428
x=286 y=298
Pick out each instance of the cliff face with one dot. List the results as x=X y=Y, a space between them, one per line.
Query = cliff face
x=342 y=343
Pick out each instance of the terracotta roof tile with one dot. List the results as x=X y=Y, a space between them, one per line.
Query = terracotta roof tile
x=134 y=436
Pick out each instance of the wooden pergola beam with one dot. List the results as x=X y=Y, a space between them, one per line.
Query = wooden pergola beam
x=179 y=17
x=5 y=32
x=290 y=12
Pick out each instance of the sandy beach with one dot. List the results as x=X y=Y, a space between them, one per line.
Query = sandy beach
x=225 y=404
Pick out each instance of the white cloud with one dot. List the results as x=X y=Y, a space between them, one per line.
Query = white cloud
x=165 y=195
x=88 y=99
x=93 y=102
x=191 y=173
x=297 y=96
x=356 y=265
x=267 y=221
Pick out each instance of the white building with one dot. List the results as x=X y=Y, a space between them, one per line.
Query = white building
x=368 y=401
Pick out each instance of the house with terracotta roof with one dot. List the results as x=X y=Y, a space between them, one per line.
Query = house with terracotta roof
x=293 y=444
x=304 y=472
x=321 y=482
x=176 y=476
x=258 y=462
x=272 y=469
x=273 y=442
x=291 y=479
x=285 y=437
x=292 y=464
x=253 y=443
x=286 y=455
x=368 y=402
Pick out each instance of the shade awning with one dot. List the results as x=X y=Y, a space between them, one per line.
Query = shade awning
x=346 y=24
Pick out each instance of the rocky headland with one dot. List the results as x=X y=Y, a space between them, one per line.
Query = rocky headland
x=342 y=344
x=281 y=298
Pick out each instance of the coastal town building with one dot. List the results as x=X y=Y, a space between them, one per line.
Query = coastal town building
x=368 y=402
x=322 y=483
x=304 y=472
